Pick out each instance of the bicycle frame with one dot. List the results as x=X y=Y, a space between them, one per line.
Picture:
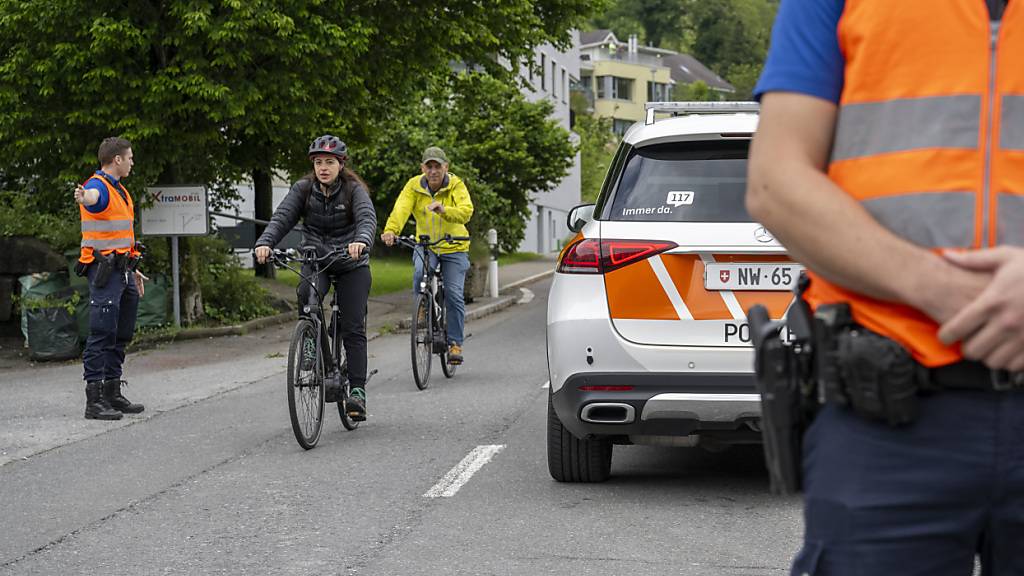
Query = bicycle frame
x=313 y=309
x=432 y=284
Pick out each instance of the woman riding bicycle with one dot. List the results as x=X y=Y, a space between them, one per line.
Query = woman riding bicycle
x=337 y=214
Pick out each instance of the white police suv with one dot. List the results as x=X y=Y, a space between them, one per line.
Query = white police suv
x=647 y=338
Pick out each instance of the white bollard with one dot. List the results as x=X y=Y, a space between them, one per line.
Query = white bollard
x=492 y=269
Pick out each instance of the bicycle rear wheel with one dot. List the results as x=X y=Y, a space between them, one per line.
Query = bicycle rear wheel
x=422 y=341
x=305 y=385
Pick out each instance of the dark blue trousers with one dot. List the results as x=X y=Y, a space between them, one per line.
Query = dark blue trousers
x=112 y=312
x=918 y=500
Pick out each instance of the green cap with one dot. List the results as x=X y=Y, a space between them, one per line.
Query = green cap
x=436 y=154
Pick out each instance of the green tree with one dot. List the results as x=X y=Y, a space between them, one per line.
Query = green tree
x=695 y=91
x=656 y=22
x=731 y=37
x=503 y=146
x=215 y=91
x=597 y=144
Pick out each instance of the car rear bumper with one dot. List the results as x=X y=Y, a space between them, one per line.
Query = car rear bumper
x=659 y=404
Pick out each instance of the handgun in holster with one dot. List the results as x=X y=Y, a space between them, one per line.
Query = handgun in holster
x=105 y=266
x=784 y=370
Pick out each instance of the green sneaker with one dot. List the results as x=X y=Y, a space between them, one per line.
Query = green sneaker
x=356 y=404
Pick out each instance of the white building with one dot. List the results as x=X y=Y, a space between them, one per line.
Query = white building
x=546 y=229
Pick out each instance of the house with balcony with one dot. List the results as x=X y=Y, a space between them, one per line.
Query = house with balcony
x=618 y=77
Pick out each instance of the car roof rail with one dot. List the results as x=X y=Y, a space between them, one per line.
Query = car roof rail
x=680 y=108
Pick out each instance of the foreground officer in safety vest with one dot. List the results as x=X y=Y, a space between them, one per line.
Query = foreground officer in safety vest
x=889 y=159
x=109 y=258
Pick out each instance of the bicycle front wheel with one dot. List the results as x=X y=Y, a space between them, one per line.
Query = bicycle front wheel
x=422 y=341
x=305 y=385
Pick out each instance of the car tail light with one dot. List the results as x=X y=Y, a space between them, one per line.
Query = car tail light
x=589 y=256
x=583 y=257
x=605 y=388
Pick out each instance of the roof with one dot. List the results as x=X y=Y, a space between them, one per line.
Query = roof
x=691 y=127
x=686 y=69
x=596 y=37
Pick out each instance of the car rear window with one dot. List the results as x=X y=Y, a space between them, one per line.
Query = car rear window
x=683 y=182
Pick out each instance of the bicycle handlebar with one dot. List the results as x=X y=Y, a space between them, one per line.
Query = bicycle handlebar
x=425 y=242
x=282 y=257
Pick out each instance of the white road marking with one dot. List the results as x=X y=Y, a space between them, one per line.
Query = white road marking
x=546 y=384
x=463 y=471
x=526 y=297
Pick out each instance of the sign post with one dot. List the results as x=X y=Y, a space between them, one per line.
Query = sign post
x=176 y=211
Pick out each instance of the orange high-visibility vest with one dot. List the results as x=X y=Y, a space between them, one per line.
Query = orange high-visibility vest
x=929 y=139
x=111 y=230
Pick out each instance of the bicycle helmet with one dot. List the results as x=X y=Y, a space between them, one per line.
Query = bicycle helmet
x=328 y=144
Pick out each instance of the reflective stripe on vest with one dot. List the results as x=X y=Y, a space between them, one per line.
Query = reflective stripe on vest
x=112 y=229
x=929 y=138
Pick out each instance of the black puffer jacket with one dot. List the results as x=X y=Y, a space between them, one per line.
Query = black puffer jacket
x=335 y=220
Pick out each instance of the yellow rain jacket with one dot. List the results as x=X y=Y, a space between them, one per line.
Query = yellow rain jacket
x=413 y=201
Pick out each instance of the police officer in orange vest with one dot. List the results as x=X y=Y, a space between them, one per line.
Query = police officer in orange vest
x=889 y=159
x=109 y=259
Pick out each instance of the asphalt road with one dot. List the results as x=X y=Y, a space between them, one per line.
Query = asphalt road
x=219 y=485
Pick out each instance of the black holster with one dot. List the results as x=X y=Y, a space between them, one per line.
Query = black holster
x=784 y=375
x=105 y=266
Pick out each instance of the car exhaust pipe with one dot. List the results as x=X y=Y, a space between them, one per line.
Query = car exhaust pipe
x=608 y=413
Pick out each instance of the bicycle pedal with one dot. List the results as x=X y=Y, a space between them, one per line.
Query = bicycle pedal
x=357 y=416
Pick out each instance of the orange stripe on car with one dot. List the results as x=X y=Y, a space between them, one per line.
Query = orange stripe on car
x=635 y=293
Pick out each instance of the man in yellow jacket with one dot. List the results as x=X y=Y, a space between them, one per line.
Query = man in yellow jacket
x=440 y=203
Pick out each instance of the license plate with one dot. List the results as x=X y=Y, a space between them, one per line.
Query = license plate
x=751 y=276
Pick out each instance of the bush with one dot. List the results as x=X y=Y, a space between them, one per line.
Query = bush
x=230 y=295
x=21 y=216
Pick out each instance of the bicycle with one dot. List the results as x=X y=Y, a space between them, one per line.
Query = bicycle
x=307 y=368
x=429 y=322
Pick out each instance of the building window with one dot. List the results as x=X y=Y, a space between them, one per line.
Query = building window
x=657 y=92
x=620 y=126
x=543 y=72
x=599 y=89
x=622 y=88
x=554 y=80
x=565 y=87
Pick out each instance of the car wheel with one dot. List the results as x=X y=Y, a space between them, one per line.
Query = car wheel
x=573 y=460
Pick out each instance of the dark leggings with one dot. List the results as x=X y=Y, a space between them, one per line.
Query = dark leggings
x=353 y=289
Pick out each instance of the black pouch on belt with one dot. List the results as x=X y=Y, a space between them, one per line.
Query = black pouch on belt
x=878 y=376
x=104 y=269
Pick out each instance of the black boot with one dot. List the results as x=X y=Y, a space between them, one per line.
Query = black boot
x=112 y=394
x=96 y=406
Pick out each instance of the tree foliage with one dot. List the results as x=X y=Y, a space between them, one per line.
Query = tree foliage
x=214 y=91
x=502 y=145
x=209 y=91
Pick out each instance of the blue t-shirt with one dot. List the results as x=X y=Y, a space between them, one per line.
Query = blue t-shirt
x=95 y=183
x=804 y=54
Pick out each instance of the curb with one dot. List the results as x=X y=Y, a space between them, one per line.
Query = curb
x=501 y=303
x=146 y=342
